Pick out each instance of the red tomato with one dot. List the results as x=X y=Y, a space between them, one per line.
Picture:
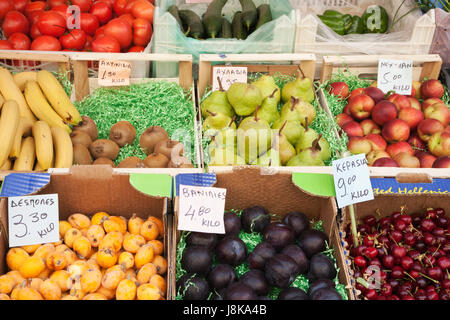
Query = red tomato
x=120 y=30
x=142 y=32
x=5 y=45
x=15 y=22
x=119 y=7
x=34 y=31
x=136 y=49
x=20 y=41
x=105 y=44
x=76 y=39
x=20 y=5
x=84 y=5
x=33 y=16
x=100 y=32
x=128 y=17
x=102 y=11
x=143 y=9
x=129 y=6
x=88 y=43
x=51 y=23
x=5 y=7
x=62 y=9
x=109 y=2
x=35 y=6
x=55 y=3
x=46 y=43
x=89 y=23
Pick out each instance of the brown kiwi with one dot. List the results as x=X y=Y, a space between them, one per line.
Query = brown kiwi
x=104 y=148
x=104 y=161
x=131 y=162
x=81 y=155
x=87 y=125
x=150 y=137
x=81 y=137
x=156 y=160
x=122 y=133
x=180 y=162
x=166 y=147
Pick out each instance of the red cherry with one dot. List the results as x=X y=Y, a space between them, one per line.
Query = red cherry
x=383 y=240
x=440 y=240
x=422 y=283
x=386 y=289
x=432 y=296
x=427 y=225
x=400 y=225
x=444 y=263
x=429 y=260
x=416 y=266
x=442 y=222
x=371 y=294
x=440 y=212
x=370 y=252
x=396 y=235
x=358 y=251
x=421 y=246
x=446 y=283
x=395 y=215
x=394 y=297
x=408 y=297
x=431 y=214
x=409 y=238
x=414 y=254
x=386 y=221
x=397 y=272
x=388 y=261
x=444 y=295
x=381 y=298
x=435 y=273
x=375 y=262
x=414 y=274
x=439 y=231
x=421 y=295
x=360 y=287
x=370 y=220
x=406 y=219
x=394 y=283
x=368 y=241
x=360 y=261
x=398 y=252
x=406 y=262
x=429 y=239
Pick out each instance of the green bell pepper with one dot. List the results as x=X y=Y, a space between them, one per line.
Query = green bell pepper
x=375 y=19
x=332 y=13
x=347 y=18
x=336 y=24
x=357 y=26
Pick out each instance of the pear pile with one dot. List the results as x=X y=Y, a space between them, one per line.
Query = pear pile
x=262 y=124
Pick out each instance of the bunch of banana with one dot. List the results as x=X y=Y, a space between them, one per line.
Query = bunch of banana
x=35 y=119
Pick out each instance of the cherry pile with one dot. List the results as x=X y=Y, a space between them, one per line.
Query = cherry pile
x=411 y=251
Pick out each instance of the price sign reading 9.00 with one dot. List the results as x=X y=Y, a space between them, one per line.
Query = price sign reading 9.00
x=33 y=220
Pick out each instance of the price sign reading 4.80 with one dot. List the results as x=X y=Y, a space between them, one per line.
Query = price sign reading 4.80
x=201 y=209
x=352 y=180
x=33 y=220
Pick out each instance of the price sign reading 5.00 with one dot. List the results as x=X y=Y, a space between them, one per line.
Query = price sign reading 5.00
x=33 y=220
x=201 y=209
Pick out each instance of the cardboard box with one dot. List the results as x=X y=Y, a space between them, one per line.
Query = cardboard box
x=412 y=192
x=247 y=187
x=88 y=189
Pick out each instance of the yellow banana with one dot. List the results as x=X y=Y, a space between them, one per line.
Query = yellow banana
x=27 y=157
x=2 y=101
x=38 y=168
x=6 y=165
x=41 y=108
x=44 y=144
x=63 y=148
x=21 y=78
x=24 y=130
x=11 y=91
x=9 y=122
x=57 y=97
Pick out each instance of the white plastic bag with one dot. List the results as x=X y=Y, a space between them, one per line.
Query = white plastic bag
x=441 y=41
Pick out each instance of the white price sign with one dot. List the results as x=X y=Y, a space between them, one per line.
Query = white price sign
x=228 y=76
x=352 y=180
x=33 y=220
x=114 y=73
x=395 y=75
x=201 y=209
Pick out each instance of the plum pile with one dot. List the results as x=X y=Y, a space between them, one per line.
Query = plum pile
x=287 y=249
x=411 y=251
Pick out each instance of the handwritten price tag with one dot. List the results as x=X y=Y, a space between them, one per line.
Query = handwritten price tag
x=114 y=73
x=201 y=209
x=33 y=220
x=352 y=180
x=228 y=76
x=395 y=75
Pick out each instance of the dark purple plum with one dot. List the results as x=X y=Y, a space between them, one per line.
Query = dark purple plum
x=298 y=221
x=320 y=284
x=279 y=235
x=326 y=294
x=218 y=294
x=255 y=219
x=258 y=257
x=197 y=260
x=293 y=294
x=322 y=267
x=232 y=223
x=193 y=287
x=231 y=250
x=256 y=280
x=221 y=276
x=264 y=298
x=312 y=242
x=240 y=291
x=281 y=271
x=297 y=254
x=207 y=240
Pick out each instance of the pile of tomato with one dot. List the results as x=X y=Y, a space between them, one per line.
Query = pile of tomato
x=97 y=26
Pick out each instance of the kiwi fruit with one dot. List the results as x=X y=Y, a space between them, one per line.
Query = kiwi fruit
x=122 y=133
x=104 y=148
x=81 y=155
x=87 y=125
x=81 y=137
x=104 y=161
x=131 y=162
x=156 y=160
x=167 y=147
x=150 y=137
x=180 y=162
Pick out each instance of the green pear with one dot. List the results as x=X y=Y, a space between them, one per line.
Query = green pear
x=308 y=157
x=289 y=110
x=216 y=122
x=254 y=137
x=269 y=159
x=269 y=108
x=281 y=144
x=306 y=111
x=299 y=88
x=244 y=98
x=225 y=157
x=293 y=129
x=217 y=102
x=307 y=139
x=323 y=146
x=266 y=84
